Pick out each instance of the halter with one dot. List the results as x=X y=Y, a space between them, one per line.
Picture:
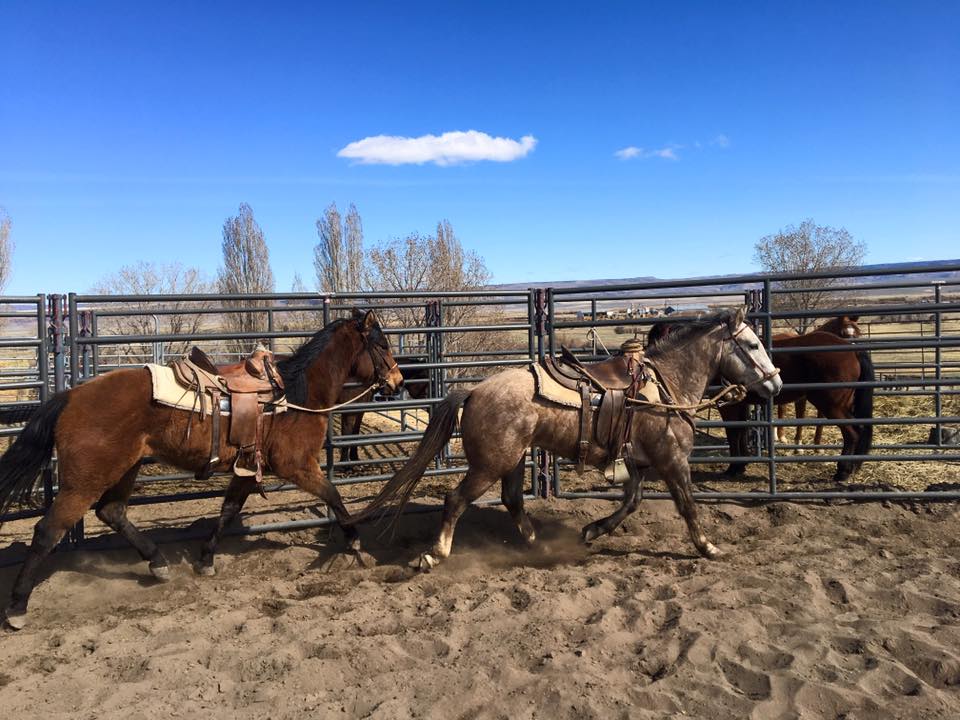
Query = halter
x=764 y=375
x=378 y=358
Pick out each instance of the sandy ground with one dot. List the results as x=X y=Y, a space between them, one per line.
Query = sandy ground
x=819 y=611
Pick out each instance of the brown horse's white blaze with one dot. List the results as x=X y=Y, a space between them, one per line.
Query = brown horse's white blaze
x=104 y=428
x=503 y=417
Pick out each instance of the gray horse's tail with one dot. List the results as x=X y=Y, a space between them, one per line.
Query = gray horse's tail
x=399 y=488
x=21 y=464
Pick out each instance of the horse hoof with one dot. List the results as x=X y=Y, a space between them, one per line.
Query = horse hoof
x=711 y=551
x=590 y=533
x=15 y=620
x=160 y=572
x=207 y=570
x=425 y=563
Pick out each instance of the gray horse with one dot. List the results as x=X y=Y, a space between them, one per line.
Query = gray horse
x=503 y=417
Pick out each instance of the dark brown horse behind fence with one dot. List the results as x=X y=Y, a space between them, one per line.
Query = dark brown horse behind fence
x=104 y=428
x=416 y=380
x=804 y=367
x=844 y=326
x=842 y=367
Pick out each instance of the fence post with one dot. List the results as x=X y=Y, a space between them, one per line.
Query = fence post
x=331 y=453
x=938 y=359
x=43 y=392
x=764 y=303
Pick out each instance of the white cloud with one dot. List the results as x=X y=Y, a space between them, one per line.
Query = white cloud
x=721 y=141
x=450 y=148
x=631 y=152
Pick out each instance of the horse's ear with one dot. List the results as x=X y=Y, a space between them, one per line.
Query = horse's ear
x=356 y=313
x=738 y=317
x=853 y=318
x=370 y=320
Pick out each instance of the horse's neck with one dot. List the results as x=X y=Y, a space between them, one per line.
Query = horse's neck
x=689 y=368
x=329 y=372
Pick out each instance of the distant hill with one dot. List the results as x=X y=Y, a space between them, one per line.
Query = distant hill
x=930 y=270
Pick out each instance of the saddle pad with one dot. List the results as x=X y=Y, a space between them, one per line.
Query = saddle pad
x=552 y=391
x=549 y=389
x=167 y=391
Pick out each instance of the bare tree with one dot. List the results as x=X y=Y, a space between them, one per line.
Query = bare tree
x=246 y=269
x=808 y=248
x=338 y=257
x=434 y=262
x=6 y=248
x=308 y=321
x=150 y=317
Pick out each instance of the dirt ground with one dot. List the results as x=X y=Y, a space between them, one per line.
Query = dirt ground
x=816 y=611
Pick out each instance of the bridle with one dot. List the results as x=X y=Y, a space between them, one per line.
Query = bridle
x=378 y=359
x=733 y=336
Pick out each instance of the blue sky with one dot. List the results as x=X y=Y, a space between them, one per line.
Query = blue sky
x=130 y=131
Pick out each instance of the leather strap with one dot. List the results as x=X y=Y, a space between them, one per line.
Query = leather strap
x=585 y=414
x=214 y=460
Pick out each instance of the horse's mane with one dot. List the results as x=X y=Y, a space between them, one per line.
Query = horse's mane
x=293 y=369
x=681 y=333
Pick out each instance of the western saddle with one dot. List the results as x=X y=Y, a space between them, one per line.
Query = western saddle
x=614 y=380
x=244 y=390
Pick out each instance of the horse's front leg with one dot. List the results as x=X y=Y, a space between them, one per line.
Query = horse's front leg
x=313 y=480
x=676 y=474
x=628 y=505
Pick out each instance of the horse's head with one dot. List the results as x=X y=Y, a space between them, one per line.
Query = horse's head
x=848 y=326
x=375 y=363
x=844 y=326
x=743 y=359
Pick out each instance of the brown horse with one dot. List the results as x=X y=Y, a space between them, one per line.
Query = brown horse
x=104 y=428
x=503 y=416
x=415 y=380
x=836 y=403
x=844 y=326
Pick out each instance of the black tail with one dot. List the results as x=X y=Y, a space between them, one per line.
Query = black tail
x=863 y=405
x=21 y=464
x=438 y=432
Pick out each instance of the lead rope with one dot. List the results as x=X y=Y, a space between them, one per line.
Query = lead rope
x=284 y=403
x=739 y=390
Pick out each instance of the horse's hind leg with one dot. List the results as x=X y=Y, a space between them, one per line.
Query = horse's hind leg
x=67 y=509
x=677 y=477
x=512 y=495
x=236 y=495
x=112 y=511
x=627 y=507
x=475 y=484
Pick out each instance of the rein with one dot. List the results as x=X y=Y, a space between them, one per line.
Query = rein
x=283 y=402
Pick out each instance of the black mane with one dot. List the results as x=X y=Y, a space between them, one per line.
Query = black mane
x=682 y=332
x=293 y=369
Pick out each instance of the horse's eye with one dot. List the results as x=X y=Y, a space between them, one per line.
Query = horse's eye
x=754 y=346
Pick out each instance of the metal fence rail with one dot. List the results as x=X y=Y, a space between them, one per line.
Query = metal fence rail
x=910 y=319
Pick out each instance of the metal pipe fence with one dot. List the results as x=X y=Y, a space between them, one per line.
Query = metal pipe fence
x=910 y=324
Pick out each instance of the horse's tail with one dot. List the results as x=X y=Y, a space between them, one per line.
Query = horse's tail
x=21 y=464
x=438 y=432
x=863 y=404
